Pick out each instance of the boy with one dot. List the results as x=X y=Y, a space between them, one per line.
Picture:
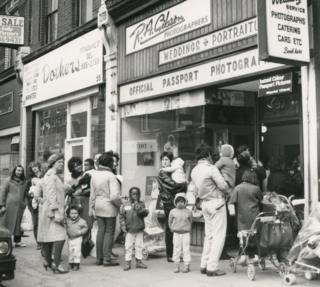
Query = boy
x=180 y=222
x=76 y=228
x=132 y=214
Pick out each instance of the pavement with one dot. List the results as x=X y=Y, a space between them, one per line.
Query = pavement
x=29 y=272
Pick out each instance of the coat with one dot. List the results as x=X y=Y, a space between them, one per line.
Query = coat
x=13 y=197
x=51 y=211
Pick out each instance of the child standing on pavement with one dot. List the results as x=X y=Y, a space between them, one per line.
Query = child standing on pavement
x=180 y=222
x=132 y=214
x=76 y=228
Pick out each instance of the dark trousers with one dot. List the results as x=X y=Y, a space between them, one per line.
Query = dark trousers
x=106 y=229
x=167 y=207
x=55 y=247
x=17 y=238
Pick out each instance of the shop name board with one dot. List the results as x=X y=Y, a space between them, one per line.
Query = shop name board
x=71 y=67
x=216 y=39
x=177 y=20
x=275 y=85
x=239 y=65
x=283 y=31
x=11 y=30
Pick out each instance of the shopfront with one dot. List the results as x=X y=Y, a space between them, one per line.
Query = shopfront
x=62 y=90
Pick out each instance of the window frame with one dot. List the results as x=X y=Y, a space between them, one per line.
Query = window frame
x=52 y=20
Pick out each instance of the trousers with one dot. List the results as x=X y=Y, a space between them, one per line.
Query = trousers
x=133 y=240
x=215 y=226
x=105 y=235
x=55 y=247
x=181 y=247
x=75 y=249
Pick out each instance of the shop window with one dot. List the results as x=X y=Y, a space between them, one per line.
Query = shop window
x=84 y=11
x=79 y=125
x=52 y=20
x=52 y=131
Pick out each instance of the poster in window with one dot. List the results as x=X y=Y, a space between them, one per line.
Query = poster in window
x=146 y=152
x=6 y=103
x=152 y=186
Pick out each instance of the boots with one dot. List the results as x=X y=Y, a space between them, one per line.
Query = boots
x=76 y=267
x=176 y=268
x=140 y=264
x=186 y=268
x=127 y=266
x=71 y=266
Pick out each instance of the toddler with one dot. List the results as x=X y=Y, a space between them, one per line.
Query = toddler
x=180 y=222
x=33 y=192
x=76 y=228
x=176 y=170
x=227 y=166
x=132 y=214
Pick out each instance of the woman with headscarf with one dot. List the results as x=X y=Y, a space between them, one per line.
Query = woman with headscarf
x=13 y=203
x=51 y=229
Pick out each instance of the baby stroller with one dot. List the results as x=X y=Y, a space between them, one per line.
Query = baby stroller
x=304 y=256
x=270 y=237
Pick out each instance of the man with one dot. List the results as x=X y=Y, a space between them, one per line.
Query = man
x=211 y=188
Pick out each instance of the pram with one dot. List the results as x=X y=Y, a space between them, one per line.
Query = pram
x=304 y=256
x=270 y=237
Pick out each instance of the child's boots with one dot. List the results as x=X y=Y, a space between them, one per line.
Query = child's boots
x=127 y=266
x=76 y=267
x=140 y=264
x=185 y=268
x=176 y=268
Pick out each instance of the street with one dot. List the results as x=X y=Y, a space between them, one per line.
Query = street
x=30 y=272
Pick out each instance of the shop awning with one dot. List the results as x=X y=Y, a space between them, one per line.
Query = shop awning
x=174 y=102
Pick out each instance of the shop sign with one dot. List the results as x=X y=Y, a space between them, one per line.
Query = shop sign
x=177 y=20
x=6 y=103
x=141 y=146
x=11 y=30
x=243 y=64
x=214 y=40
x=69 y=68
x=283 y=31
x=275 y=85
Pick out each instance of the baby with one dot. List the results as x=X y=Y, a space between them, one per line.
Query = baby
x=33 y=192
x=176 y=170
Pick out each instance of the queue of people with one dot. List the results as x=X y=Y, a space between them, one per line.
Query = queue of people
x=66 y=211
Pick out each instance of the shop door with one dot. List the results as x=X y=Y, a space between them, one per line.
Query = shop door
x=78 y=131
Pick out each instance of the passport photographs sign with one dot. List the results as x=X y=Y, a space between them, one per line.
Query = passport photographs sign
x=283 y=31
x=11 y=31
x=275 y=85
x=177 y=20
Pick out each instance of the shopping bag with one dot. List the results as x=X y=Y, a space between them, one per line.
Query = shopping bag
x=26 y=222
x=87 y=245
x=94 y=231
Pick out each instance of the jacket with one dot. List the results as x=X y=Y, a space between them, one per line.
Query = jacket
x=76 y=228
x=132 y=216
x=105 y=197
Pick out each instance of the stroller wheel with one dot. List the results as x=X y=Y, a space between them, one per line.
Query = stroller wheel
x=289 y=279
x=282 y=269
x=145 y=254
x=251 y=272
x=233 y=264
x=310 y=275
x=262 y=264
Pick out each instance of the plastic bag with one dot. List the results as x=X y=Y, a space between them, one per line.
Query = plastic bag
x=94 y=231
x=26 y=222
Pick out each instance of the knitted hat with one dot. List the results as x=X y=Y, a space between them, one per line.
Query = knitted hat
x=227 y=150
x=180 y=195
x=54 y=158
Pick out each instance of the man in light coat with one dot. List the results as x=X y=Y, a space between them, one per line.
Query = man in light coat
x=211 y=188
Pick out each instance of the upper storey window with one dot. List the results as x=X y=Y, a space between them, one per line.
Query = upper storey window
x=52 y=20
x=84 y=11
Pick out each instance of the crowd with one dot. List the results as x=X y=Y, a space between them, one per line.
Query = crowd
x=66 y=209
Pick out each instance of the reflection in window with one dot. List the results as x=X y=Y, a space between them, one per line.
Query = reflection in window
x=79 y=125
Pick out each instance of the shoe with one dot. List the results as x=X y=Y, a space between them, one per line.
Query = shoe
x=110 y=263
x=169 y=259
x=176 y=268
x=20 y=244
x=216 y=273
x=113 y=255
x=46 y=265
x=203 y=270
x=59 y=270
x=99 y=262
x=76 y=267
x=140 y=264
x=185 y=268
x=127 y=266
x=71 y=266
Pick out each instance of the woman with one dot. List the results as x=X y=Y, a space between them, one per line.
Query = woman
x=51 y=229
x=167 y=191
x=35 y=175
x=13 y=203
x=104 y=204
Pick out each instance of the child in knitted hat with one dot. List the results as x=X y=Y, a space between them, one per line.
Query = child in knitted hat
x=226 y=165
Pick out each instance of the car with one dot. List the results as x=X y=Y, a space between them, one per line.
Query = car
x=7 y=259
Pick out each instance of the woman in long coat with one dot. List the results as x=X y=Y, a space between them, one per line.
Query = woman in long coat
x=51 y=229
x=13 y=203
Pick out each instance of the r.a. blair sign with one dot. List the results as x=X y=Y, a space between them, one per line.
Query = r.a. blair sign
x=177 y=20
x=283 y=31
x=11 y=31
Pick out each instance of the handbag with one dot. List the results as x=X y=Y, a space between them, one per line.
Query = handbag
x=87 y=244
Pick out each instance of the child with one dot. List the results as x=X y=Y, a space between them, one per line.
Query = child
x=132 y=214
x=180 y=222
x=76 y=228
x=176 y=170
x=227 y=166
